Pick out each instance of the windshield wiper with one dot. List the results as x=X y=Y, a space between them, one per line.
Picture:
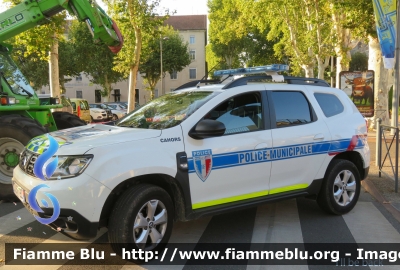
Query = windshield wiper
x=24 y=90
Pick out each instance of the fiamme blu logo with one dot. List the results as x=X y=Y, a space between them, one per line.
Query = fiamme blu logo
x=44 y=168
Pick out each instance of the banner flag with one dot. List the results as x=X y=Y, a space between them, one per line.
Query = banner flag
x=385 y=17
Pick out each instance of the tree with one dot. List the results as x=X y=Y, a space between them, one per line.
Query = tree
x=175 y=56
x=94 y=60
x=138 y=23
x=359 y=62
x=302 y=28
x=39 y=40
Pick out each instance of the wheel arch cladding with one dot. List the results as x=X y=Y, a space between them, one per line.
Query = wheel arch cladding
x=355 y=158
x=168 y=183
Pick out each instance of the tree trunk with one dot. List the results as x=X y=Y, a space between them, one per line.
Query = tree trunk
x=309 y=70
x=53 y=69
x=322 y=65
x=382 y=82
x=133 y=71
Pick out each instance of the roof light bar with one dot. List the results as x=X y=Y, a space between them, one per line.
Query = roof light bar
x=252 y=70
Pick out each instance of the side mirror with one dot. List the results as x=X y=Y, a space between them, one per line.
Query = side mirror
x=207 y=128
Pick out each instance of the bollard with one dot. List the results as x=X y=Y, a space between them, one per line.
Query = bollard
x=378 y=144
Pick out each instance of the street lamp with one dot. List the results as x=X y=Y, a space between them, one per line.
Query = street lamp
x=161 y=39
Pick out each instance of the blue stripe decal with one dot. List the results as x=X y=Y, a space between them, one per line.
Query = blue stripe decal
x=247 y=157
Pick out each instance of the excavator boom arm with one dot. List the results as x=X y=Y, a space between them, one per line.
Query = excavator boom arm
x=30 y=13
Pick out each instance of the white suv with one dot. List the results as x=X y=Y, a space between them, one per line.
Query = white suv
x=198 y=151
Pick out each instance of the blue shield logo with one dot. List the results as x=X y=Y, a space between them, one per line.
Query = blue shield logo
x=202 y=160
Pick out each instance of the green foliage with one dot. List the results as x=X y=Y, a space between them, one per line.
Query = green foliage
x=138 y=24
x=359 y=62
x=94 y=60
x=175 y=56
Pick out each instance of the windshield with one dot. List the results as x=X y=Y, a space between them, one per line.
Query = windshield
x=19 y=85
x=166 y=111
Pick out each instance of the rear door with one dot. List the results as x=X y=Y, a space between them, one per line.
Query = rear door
x=300 y=140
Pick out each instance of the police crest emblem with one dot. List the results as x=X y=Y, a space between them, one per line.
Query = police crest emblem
x=202 y=160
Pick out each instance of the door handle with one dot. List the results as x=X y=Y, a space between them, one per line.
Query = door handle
x=319 y=136
x=261 y=146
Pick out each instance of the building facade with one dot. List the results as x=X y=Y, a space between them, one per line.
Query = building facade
x=192 y=28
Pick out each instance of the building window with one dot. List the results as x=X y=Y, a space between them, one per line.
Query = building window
x=192 y=73
x=155 y=93
x=192 y=54
x=117 y=95
x=192 y=40
x=78 y=93
x=97 y=96
x=78 y=79
x=174 y=75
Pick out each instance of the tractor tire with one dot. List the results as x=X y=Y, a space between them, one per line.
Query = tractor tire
x=67 y=120
x=15 y=132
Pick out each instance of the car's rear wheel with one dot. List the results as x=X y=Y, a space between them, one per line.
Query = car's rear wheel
x=341 y=188
x=142 y=218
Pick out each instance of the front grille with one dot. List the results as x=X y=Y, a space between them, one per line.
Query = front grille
x=27 y=161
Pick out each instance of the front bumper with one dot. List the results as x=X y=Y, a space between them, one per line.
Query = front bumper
x=80 y=201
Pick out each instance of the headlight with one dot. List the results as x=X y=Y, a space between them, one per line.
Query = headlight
x=70 y=166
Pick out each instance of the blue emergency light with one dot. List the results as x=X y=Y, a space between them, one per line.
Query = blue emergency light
x=252 y=70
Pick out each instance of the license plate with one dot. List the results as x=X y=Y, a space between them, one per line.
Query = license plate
x=19 y=191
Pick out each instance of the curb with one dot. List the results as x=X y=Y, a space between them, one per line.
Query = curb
x=371 y=189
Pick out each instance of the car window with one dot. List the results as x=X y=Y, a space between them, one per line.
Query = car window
x=239 y=114
x=329 y=104
x=291 y=108
x=73 y=105
x=167 y=111
x=113 y=106
x=84 y=105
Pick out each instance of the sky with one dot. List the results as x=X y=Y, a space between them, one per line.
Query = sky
x=182 y=7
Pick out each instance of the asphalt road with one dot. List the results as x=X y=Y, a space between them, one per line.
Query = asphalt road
x=292 y=221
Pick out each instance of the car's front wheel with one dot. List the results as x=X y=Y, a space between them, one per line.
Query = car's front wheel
x=341 y=188
x=142 y=218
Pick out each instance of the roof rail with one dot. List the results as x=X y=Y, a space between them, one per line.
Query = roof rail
x=195 y=83
x=288 y=79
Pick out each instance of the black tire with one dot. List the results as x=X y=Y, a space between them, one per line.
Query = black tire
x=126 y=213
x=67 y=120
x=18 y=130
x=114 y=117
x=348 y=183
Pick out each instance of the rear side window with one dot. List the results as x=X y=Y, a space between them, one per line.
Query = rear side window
x=84 y=105
x=329 y=104
x=291 y=108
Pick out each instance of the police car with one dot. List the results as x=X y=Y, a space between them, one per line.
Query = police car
x=200 y=150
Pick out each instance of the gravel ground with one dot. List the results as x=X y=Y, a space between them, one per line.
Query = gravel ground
x=384 y=184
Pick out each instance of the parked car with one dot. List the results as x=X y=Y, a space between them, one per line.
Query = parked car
x=97 y=116
x=81 y=109
x=117 y=106
x=203 y=150
x=118 y=110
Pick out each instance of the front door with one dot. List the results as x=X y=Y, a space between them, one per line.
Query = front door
x=235 y=166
